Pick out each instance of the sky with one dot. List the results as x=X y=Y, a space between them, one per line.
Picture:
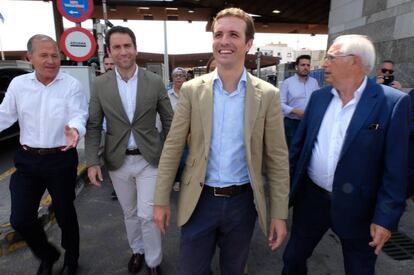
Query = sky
x=22 y=19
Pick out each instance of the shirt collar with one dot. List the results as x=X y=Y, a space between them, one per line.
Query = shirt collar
x=241 y=84
x=298 y=79
x=358 y=92
x=172 y=92
x=133 y=76
x=59 y=76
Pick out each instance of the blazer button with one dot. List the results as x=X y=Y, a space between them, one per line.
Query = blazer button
x=201 y=184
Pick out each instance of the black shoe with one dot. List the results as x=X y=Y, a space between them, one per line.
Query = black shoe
x=135 y=263
x=69 y=269
x=46 y=267
x=113 y=196
x=154 y=270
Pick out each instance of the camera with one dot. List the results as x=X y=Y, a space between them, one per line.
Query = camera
x=388 y=79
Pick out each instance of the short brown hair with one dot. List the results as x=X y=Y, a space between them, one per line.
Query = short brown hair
x=239 y=13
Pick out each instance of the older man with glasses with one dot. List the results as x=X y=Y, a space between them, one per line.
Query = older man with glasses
x=343 y=162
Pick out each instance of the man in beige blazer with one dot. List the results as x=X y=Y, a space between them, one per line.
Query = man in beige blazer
x=236 y=129
x=129 y=98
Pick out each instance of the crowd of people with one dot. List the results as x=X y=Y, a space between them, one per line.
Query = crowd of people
x=329 y=153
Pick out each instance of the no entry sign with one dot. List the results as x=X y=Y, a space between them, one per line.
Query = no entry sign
x=75 y=10
x=78 y=44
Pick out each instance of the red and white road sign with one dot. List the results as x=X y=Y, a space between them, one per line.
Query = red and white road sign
x=78 y=44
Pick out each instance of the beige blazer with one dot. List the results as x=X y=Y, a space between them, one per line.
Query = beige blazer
x=106 y=102
x=265 y=145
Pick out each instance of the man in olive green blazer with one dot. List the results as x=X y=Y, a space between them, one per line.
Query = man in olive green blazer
x=129 y=98
x=216 y=206
x=105 y=101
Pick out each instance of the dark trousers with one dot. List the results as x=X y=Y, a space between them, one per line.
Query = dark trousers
x=291 y=125
x=34 y=174
x=224 y=221
x=182 y=164
x=311 y=219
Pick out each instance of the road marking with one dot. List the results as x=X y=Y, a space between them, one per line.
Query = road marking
x=7 y=173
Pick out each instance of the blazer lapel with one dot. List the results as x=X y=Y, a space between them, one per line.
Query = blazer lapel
x=115 y=97
x=205 y=102
x=320 y=110
x=252 y=105
x=363 y=109
x=141 y=89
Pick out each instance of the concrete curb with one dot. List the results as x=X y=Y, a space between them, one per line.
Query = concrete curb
x=10 y=240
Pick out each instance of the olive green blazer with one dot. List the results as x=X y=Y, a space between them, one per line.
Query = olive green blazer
x=106 y=102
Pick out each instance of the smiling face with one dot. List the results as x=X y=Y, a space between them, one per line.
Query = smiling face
x=122 y=50
x=45 y=59
x=229 y=42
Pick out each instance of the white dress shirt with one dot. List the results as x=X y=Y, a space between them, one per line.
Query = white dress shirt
x=173 y=98
x=331 y=136
x=295 y=94
x=43 y=111
x=128 y=93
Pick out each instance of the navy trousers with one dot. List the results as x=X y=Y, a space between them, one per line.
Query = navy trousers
x=227 y=222
x=34 y=174
x=311 y=219
x=291 y=125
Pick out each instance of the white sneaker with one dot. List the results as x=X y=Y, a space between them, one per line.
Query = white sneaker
x=176 y=186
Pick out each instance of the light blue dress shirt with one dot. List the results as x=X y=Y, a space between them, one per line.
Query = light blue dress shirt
x=227 y=163
x=295 y=94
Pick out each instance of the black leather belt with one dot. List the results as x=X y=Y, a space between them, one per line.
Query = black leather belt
x=227 y=191
x=42 y=151
x=319 y=189
x=132 y=152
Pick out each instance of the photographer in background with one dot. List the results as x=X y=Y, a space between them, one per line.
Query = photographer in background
x=385 y=75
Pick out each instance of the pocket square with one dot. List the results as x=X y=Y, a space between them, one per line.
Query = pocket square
x=373 y=126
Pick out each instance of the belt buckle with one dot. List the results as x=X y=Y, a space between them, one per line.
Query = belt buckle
x=219 y=195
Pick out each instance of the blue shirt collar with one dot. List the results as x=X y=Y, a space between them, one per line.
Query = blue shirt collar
x=241 y=84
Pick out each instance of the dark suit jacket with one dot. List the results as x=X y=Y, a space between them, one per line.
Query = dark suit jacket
x=106 y=102
x=369 y=184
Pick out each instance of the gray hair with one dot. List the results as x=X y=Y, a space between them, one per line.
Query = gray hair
x=179 y=70
x=358 y=45
x=38 y=37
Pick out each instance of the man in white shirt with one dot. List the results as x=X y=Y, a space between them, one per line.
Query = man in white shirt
x=129 y=98
x=295 y=94
x=343 y=162
x=52 y=111
x=179 y=76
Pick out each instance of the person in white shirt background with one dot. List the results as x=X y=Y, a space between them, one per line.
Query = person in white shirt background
x=295 y=93
x=179 y=76
x=51 y=108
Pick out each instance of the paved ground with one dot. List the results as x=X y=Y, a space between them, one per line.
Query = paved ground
x=104 y=248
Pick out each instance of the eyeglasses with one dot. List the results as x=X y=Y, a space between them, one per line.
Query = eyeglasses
x=384 y=71
x=179 y=76
x=331 y=57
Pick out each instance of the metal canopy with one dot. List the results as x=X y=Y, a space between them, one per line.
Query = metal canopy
x=304 y=16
